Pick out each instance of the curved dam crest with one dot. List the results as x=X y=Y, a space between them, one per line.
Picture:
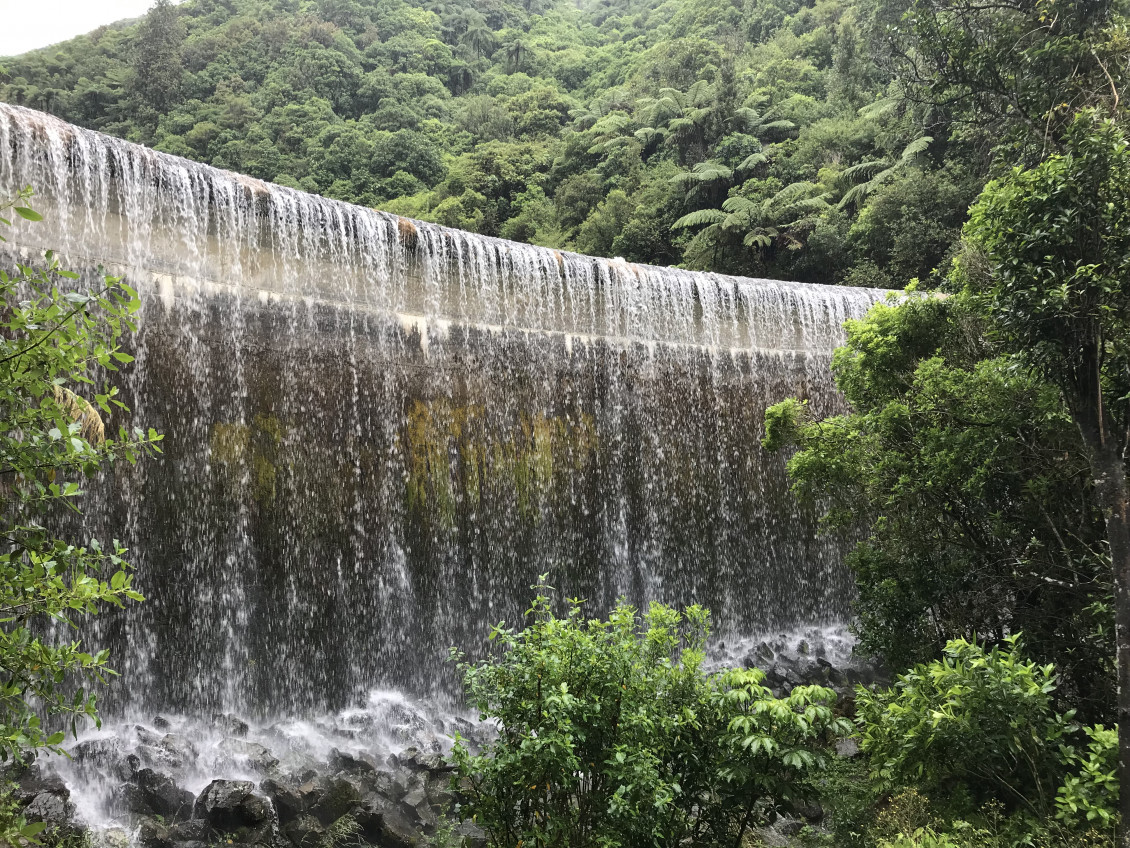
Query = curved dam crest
x=380 y=431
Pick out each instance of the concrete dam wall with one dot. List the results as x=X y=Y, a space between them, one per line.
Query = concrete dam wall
x=379 y=432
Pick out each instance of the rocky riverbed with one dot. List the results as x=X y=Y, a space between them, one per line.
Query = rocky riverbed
x=374 y=775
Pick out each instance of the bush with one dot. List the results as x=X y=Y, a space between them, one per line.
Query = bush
x=611 y=733
x=55 y=339
x=976 y=721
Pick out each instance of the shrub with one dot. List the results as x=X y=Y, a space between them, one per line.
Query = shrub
x=611 y=733
x=979 y=722
x=1089 y=797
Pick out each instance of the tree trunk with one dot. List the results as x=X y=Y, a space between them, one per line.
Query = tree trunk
x=1108 y=469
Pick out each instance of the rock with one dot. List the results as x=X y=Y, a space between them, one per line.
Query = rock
x=439 y=792
x=470 y=834
x=228 y=805
x=145 y=736
x=286 y=801
x=788 y=827
x=396 y=829
x=343 y=762
x=230 y=725
x=413 y=759
x=113 y=837
x=50 y=807
x=847 y=748
x=339 y=797
x=304 y=831
x=162 y=796
x=770 y=838
x=162 y=723
x=152 y=834
x=254 y=755
x=181 y=751
x=809 y=810
x=193 y=830
x=386 y=784
x=30 y=783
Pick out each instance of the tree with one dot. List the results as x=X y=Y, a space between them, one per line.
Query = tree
x=1056 y=246
x=1011 y=71
x=611 y=733
x=56 y=340
x=968 y=479
x=157 y=64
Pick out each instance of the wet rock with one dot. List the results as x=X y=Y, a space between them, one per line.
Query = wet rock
x=50 y=807
x=788 y=827
x=439 y=792
x=343 y=762
x=230 y=725
x=162 y=723
x=288 y=804
x=415 y=760
x=179 y=749
x=847 y=748
x=152 y=834
x=396 y=829
x=113 y=837
x=30 y=782
x=228 y=805
x=770 y=838
x=162 y=796
x=810 y=811
x=304 y=831
x=255 y=756
x=193 y=830
x=470 y=834
x=145 y=736
x=387 y=785
x=338 y=797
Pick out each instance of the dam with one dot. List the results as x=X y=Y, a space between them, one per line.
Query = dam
x=380 y=432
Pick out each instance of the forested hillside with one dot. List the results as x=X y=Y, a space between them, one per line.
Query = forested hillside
x=758 y=137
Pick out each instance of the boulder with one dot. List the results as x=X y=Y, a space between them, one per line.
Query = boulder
x=338 y=797
x=395 y=830
x=193 y=830
x=51 y=808
x=304 y=831
x=152 y=834
x=229 y=805
x=230 y=725
x=288 y=804
x=162 y=796
x=349 y=764
x=254 y=755
x=470 y=834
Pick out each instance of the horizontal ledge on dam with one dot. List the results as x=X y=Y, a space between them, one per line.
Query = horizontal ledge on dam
x=172 y=288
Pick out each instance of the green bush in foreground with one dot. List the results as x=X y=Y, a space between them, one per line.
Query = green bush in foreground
x=612 y=734
x=55 y=341
x=977 y=734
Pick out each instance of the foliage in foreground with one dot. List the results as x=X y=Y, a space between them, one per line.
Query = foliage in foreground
x=968 y=750
x=56 y=340
x=611 y=733
x=971 y=480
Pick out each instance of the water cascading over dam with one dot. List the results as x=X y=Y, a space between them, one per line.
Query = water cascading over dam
x=378 y=432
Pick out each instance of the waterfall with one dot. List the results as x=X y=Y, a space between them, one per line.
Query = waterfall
x=379 y=432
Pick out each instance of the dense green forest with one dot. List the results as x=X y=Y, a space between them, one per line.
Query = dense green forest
x=979 y=146
x=742 y=136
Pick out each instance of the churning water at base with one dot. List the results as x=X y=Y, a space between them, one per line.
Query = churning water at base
x=379 y=432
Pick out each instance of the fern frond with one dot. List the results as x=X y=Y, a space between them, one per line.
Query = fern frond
x=700 y=217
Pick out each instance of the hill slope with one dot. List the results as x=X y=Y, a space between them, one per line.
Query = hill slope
x=746 y=137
